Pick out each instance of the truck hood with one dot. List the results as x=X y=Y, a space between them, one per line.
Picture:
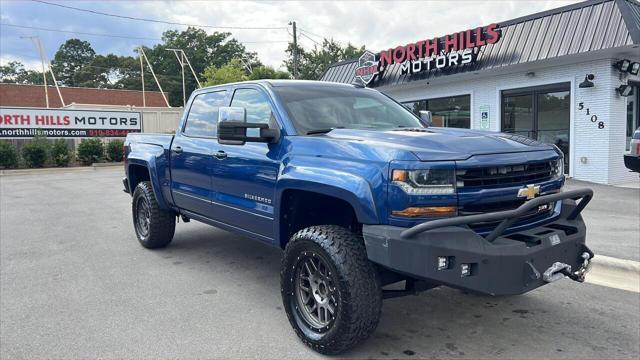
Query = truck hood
x=433 y=144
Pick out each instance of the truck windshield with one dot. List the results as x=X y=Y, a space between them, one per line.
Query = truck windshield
x=319 y=109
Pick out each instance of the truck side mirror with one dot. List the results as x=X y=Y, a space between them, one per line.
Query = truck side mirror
x=233 y=125
x=425 y=116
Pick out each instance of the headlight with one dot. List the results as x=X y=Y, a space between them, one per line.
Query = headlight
x=425 y=182
x=557 y=168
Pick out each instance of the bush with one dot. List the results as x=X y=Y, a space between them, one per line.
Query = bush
x=115 y=151
x=8 y=155
x=36 y=152
x=90 y=151
x=60 y=152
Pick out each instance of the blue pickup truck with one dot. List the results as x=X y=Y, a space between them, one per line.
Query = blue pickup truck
x=360 y=193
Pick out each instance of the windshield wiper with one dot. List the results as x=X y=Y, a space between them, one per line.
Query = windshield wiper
x=323 y=131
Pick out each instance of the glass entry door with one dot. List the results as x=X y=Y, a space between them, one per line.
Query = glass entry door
x=540 y=113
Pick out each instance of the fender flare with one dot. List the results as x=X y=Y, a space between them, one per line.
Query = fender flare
x=152 y=167
x=349 y=187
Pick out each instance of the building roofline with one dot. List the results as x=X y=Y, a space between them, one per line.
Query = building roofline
x=553 y=11
x=623 y=6
x=83 y=88
x=625 y=10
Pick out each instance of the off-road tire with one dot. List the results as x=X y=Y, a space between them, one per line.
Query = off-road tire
x=357 y=283
x=161 y=223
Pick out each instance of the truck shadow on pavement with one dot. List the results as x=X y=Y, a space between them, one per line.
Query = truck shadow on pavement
x=440 y=323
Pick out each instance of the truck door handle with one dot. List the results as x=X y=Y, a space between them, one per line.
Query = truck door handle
x=220 y=155
x=177 y=149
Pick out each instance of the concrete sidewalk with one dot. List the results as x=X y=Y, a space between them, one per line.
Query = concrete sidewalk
x=613 y=220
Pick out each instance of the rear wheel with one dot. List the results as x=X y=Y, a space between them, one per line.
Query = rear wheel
x=330 y=290
x=154 y=227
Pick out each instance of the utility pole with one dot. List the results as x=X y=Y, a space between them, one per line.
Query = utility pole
x=295 y=50
x=144 y=98
x=38 y=44
x=184 y=60
x=43 y=59
x=154 y=76
x=182 y=63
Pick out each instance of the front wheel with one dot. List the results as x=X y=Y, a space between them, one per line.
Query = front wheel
x=330 y=290
x=154 y=227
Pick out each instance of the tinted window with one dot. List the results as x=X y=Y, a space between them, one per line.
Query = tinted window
x=203 y=115
x=325 y=107
x=256 y=104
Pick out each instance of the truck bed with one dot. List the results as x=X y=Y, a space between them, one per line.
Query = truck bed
x=163 y=140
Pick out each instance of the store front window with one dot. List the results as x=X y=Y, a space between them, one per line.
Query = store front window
x=454 y=111
x=633 y=113
x=541 y=113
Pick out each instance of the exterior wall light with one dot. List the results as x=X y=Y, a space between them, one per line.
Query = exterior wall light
x=627 y=66
x=625 y=90
x=587 y=83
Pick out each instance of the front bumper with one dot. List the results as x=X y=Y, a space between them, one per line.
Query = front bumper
x=499 y=264
x=632 y=162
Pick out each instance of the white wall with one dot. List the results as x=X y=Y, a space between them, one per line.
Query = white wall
x=602 y=148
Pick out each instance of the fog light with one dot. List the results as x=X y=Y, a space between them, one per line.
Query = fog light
x=443 y=263
x=465 y=270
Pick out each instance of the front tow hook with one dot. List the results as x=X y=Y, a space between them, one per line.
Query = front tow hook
x=559 y=270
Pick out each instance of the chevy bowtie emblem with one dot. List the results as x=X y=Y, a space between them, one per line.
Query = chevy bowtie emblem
x=529 y=192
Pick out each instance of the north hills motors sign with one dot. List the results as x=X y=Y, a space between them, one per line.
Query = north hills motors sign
x=20 y=123
x=453 y=50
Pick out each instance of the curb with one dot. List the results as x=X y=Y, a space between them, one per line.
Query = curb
x=107 y=164
x=615 y=273
x=13 y=172
x=617 y=264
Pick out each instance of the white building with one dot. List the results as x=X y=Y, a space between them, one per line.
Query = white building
x=567 y=76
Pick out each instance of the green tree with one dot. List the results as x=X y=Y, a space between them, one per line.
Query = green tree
x=36 y=152
x=203 y=50
x=114 y=150
x=8 y=155
x=14 y=72
x=90 y=151
x=60 y=153
x=267 y=72
x=228 y=73
x=313 y=63
x=70 y=64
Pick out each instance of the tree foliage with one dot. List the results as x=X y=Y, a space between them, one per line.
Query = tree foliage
x=312 y=63
x=90 y=151
x=60 y=153
x=8 y=155
x=235 y=71
x=72 y=64
x=216 y=58
x=15 y=73
x=36 y=152
x=203 y=50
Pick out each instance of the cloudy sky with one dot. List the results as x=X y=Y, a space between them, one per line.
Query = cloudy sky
x=377 y=25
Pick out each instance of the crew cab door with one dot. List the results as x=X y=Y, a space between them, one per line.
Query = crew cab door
x=192 y=154
x=244 y=176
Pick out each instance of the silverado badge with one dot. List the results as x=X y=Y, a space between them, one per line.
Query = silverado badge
x=529 y=192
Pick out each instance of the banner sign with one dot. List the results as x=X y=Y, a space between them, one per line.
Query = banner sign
x=16 y=123
x=441 y=53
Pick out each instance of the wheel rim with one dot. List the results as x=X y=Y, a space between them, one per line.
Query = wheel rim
x=143 y=217
x=316 y=293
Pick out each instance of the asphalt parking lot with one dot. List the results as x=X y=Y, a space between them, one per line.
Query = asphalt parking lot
x=74 y=283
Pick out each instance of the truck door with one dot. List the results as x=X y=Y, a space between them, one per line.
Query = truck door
x=191 y=154
x=244 y=176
